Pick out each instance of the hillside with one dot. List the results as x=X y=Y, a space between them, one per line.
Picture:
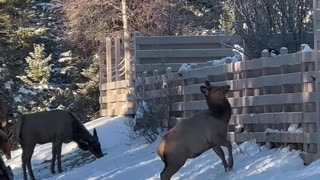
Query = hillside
x=135 y=160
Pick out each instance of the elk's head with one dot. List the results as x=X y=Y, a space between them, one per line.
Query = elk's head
x=211 y=92
x=91 y=144
x=216 y=99
x=5 y=144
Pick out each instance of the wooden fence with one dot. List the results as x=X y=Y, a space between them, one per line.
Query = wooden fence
x=160 y=52
x=268 y=95
x=112 y=65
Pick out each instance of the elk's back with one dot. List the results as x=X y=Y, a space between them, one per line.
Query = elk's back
x=48 y=126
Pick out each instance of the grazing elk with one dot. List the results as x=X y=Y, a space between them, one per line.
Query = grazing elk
x=57 y=127
x=199 y=133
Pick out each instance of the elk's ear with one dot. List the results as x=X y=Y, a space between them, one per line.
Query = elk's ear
x=84 y=145
x=204 y=90
x=3 y=124
x=95 y=134
x=207 y=83
x=81 y=141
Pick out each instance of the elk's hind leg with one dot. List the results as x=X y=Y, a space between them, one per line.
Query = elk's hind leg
x=171 y=167
x=226 y=143
x=56 y=155
x=218 y=150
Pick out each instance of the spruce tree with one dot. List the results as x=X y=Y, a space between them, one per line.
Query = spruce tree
x=38 y=69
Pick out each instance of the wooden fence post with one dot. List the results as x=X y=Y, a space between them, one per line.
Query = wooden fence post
x=108 y=60
x=117 y=57
x=316 y=25
x=135 y=60
x=308 y=127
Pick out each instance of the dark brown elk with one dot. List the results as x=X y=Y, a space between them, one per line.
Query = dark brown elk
x=5 y=144
x=57 y=127
x=3 y=116
x=5 y=171
x=199 y=133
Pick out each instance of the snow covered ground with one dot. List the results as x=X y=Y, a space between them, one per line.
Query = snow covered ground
x=127 y=159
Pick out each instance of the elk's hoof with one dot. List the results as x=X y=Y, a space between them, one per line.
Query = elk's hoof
x=60 y=170
x=53 y=171
x=227 y=169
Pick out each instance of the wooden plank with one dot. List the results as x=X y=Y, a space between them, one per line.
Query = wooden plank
x=136 y=47
x=114 y=98
x=126 y=97
x=163 y=66
x=263 y=81
x=185 y=53
x=256 y=64
x=273 y=137
x=308 y=158
x=270 y=99
x=201 y=72
x=187 y=39
x=163 y=78
x=116 y=111
x=115 y=85
x=274 y=118
x=271 y=80
x=185 y=46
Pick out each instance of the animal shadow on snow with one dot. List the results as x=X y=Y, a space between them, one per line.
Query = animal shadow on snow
x=69 y=161
x=206 y=167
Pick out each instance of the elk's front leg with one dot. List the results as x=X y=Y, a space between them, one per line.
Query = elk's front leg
x=54 y=155
x=59 y=157
x=217 y=149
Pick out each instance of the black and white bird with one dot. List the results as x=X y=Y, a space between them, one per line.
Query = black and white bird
x=273 y=52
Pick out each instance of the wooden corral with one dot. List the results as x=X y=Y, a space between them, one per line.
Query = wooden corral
x=273 y=99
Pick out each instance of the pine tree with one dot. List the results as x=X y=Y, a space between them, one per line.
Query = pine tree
x=87 y=100
x=38 y=70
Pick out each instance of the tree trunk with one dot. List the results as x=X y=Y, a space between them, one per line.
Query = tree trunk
x=127 y=56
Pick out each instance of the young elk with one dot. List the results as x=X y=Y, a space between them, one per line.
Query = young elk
x=56 y=127
x=199 y=133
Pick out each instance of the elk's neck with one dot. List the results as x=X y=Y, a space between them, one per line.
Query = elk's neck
x=219 y=108
x=79 y=131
